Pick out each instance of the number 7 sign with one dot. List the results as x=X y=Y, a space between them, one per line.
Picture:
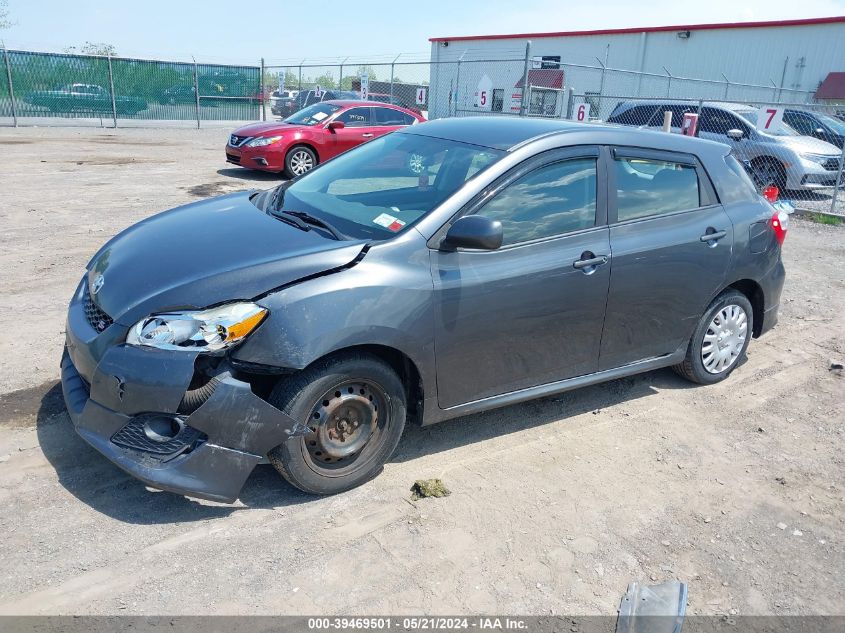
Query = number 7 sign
x=769 y=118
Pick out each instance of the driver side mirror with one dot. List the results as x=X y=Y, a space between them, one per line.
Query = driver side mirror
x=819 y=132
x=336 y=125
x=474 y=231
x=736 y=134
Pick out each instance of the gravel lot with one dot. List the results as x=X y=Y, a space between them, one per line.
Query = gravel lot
x=737 y=489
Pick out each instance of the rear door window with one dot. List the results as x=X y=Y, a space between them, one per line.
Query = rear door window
x=389 y=116
x=648 y=187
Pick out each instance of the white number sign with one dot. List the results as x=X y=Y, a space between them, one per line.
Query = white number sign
x=281 y=82
x=420 y=96
x=483 y=93
x=365 y=87
x=318 y=92
x=581 y=113
x=769 y=118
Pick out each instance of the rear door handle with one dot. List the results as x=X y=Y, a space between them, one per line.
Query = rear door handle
x=713 y=236
x=592 y=262
x=367 y=135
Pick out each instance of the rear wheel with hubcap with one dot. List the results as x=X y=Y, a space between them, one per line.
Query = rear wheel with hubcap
x=720 y=340
x=354 y=408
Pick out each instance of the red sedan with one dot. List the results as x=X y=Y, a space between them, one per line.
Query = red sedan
x=314 y=135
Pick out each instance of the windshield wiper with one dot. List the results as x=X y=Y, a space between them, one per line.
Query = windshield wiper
x=304 y=221
x=305 y=217
x=284 y=216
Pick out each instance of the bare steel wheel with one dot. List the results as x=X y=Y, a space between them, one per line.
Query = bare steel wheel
x=353 y=405
x=299 y=160
x=720 y=339
x=724 y=339
x=343 y=423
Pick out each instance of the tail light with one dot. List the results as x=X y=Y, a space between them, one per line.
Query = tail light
x=771 y=193
x=780 y=224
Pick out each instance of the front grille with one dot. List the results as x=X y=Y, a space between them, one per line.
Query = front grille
x=237 y=141
x=233 y=159
x=97 y=319
x=831 y=164
x=134 y=437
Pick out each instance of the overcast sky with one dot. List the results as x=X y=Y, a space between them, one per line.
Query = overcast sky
x=224 y=30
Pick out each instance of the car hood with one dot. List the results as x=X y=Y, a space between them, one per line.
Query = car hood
x=267 y=129
x=808 y=145
x=205 y=253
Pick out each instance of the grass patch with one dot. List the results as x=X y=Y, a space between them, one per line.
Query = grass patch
x=423 y=488
x=823 y=218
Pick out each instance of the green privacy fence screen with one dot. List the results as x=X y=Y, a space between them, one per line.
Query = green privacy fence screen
x=83 y=86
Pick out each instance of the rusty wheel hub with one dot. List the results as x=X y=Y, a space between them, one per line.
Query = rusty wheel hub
x=343 y=421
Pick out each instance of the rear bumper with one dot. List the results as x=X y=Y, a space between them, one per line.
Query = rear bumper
x=772 y=286
x=111 y=397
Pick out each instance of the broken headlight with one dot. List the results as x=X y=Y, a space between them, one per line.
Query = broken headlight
x=203 y=330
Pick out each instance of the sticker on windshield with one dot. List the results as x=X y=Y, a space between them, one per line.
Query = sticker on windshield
x=389 y=222
x=319 y=116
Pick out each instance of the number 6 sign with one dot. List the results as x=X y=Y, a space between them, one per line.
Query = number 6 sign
x=769 y=118
x=581 y=113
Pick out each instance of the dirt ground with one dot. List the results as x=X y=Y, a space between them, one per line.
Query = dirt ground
x=737 y=489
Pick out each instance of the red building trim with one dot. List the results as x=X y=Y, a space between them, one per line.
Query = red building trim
x=648 y=29
x=833 y=86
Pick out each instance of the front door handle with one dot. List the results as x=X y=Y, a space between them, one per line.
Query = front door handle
x=590 y=261
x=367 y=135
x=713 y=235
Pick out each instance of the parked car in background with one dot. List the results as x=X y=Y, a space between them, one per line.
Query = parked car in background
x=286 y=107
x=178 y=94
x=780 y=157
x=304 y=324
x=84 y=98
x=313 y=135
x=822 y=126
x=278 y=95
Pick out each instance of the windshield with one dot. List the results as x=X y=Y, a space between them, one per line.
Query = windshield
x=382 y=187
x=833 y=123
x=782 y=130
x=313 y=114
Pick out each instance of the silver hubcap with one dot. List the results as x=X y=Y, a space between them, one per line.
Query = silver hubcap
x=301 y=162
x=724 y=339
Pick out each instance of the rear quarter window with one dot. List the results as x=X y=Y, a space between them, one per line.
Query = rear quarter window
x=735 y=185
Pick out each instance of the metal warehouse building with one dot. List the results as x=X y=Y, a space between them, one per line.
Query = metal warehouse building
x=783 y=61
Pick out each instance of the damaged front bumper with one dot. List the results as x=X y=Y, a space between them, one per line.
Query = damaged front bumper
x=126 y=405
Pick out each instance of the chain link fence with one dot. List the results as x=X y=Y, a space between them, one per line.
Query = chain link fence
x=90 y=87
x=802 y=153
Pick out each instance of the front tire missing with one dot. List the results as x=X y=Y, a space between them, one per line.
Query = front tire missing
x=354 y=407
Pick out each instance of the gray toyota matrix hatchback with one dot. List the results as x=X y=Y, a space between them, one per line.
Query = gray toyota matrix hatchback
x=448 y=268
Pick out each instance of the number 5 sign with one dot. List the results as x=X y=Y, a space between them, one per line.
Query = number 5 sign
x=769 y=118
x=581 y=113
x=482 y=93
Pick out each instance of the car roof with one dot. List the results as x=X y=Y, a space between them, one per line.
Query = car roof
x=359 y=102
x=725 y=105
x=508 y=133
